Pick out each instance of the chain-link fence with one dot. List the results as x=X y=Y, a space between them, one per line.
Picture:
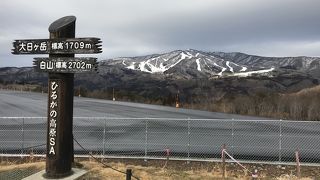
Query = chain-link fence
x=274 y=141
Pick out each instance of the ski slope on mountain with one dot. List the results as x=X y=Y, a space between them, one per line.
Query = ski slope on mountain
x=189 y=60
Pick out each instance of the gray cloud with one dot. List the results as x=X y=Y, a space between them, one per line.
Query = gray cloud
x=139 y=27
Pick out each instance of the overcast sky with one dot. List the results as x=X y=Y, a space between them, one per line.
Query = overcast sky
x=141 y=27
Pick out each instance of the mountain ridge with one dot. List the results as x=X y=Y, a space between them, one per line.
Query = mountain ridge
x=192 y=63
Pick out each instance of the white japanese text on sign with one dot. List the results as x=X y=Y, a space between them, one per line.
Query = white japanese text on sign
x=57 y=46
x=32 y=46
x=66 y=65
x=53 y=114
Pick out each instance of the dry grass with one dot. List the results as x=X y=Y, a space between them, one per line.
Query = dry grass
x=97 y=171
x=306 y=91
x=198 y=171
x=13 y=171
x=172 y=170
x=12 y=166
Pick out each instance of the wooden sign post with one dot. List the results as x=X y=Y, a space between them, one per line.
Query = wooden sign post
x=61 y=66
x=60 y=95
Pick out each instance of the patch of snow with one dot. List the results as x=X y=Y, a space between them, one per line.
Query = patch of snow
x=245 y=74
x=235 y=64
x=190 y=55
x=307 y=62
x=155 y=69
x=142 y=67
x=197 y=54
x=207 y=64
x=223 y=69
x=123 y=63
x=152 y=65
x=162 y=67
x=146 y=66
x=152 y=59
x=131 y=66
x=228 y=64
x=198 y=64
x=243 y=69
x=183 y=56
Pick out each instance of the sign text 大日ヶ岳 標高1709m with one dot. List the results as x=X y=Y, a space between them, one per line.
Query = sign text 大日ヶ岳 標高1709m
x=57 y=46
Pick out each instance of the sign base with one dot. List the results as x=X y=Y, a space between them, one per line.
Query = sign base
x=76 y=174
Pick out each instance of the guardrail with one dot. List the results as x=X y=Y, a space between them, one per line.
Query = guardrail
x=268 y=141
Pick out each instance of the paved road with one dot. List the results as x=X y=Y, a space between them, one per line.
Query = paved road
x=24 y=104
x=126 y=124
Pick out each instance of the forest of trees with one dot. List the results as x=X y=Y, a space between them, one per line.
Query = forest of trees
x=303 y=105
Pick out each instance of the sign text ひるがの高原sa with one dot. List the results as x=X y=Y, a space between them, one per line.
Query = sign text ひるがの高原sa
x=53 y=114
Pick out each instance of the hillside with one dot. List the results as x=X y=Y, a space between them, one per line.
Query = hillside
x=189 y=64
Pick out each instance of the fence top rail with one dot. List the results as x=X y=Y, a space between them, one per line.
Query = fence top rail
x=172 y=119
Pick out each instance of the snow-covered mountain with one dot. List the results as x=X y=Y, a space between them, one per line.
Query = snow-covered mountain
x=193 y=73
x=303 y=63
x=192 y=64
x=213 y=64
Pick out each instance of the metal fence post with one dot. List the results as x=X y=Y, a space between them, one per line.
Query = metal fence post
x=298 y=164
x=188 y=141
x=22 y=131
x=223 y=156
x=232 y=132
x=146 y=142
x=104 y=138
x=280 y=140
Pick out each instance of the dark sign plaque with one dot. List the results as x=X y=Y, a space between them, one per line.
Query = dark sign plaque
x=66 y=64
x=57 y=46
